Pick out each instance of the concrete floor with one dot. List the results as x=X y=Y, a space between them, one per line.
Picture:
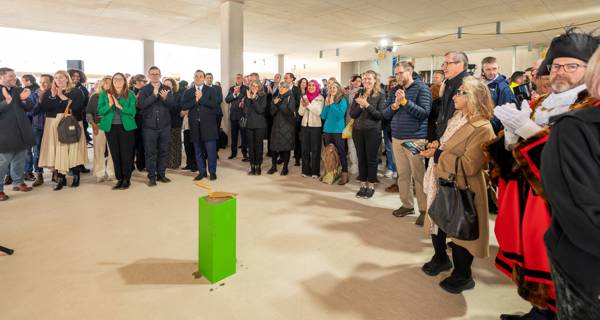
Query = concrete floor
x=306 y=250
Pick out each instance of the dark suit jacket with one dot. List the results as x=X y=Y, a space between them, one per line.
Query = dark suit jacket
x=235 y=112
x=203 y=114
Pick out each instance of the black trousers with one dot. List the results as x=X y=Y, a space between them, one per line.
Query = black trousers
x=340 y=145
x=284 y=155
x=156 y=145
x=140 y=155
x=121 y=144
x=190 y=154
x=367 y=144
x=255 y=145
x=270 y=152
x=461 y=257
x=311 y=150
x=571 y=302
x=298 y=145
x=236 y=131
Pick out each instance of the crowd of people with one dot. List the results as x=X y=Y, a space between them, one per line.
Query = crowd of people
x=484 y=133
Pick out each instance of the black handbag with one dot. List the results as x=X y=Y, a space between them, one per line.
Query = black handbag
x=453 y=209
x=69 y=131
x=243 y=122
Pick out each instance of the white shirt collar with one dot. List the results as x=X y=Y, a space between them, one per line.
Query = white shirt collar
x=556 y=103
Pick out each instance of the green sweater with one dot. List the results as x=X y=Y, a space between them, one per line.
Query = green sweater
x=107 y=113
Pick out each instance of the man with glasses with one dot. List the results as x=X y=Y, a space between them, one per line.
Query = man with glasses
x=455 y=69
x=156 y=101
x=521 y=224
x=408 y=107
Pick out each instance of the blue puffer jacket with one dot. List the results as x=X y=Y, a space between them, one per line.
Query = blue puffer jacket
x=410 y=121
x=501 y=94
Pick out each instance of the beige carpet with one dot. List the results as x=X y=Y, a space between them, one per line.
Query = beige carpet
x=305 y=251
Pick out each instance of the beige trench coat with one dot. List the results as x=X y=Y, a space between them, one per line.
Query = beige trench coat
x=466 y=143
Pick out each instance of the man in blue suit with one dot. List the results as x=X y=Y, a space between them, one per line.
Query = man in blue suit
x=201 y=101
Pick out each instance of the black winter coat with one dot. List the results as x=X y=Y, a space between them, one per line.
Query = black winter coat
x=284 y=123
x=369 y=118
x=16 y=133
x=256 y=111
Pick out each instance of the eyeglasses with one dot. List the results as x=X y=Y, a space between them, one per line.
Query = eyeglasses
x=155 y=74
x=461 y=92
x=445 y=64
x=569 y=67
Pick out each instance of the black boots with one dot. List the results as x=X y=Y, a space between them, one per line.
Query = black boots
x=61 y=181
x=272 y=170
x=76 y=178
x=254 y=170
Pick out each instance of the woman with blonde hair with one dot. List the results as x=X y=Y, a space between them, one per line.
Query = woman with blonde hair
x=460 y=145
x=62 y=97
x=366 y=111
x=255 y=110
x=103 y=168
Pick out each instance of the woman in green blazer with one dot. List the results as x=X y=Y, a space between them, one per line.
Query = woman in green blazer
x=117 y=108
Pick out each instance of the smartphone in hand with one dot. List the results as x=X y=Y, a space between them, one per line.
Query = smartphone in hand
x=412 y=147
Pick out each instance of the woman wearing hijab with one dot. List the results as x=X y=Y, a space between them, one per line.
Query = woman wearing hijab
x=311 y=105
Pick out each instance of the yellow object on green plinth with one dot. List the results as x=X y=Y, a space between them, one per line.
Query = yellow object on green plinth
x=216 y=237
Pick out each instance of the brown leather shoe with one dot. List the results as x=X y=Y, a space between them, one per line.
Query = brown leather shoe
x=393 y=188
x=22 y=187
x=3 y=196
x=343 y=179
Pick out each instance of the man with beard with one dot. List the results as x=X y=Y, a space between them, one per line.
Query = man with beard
x=523 y=215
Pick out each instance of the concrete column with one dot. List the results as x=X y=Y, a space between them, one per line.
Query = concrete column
x=514 y=60
x=280 y=64
x=232 y=48
x=148 y=54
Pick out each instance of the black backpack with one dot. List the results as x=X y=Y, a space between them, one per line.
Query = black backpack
x=223 y=139
x=69 y=131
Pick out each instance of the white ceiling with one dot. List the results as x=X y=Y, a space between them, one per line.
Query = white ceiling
x=302 y=28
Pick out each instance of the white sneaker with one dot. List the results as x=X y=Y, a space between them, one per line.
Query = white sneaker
x=304 y=176
x=315 y=177
x=395 y=175
x=389 y=173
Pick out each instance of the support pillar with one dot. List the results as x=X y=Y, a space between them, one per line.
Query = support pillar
x=232 y=48
x=280 y=64
x=148 y=54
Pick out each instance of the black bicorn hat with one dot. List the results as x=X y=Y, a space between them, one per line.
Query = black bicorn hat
x=571 y=44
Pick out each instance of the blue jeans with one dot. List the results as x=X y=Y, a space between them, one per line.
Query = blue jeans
x=156 y=147
x=16 y=161
x=204 y=150
x=35 y=152
x=389 y=153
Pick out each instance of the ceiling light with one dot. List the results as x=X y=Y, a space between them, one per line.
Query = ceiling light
x=384 y=42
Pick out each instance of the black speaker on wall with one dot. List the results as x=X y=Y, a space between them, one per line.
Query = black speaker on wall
x=75 y=64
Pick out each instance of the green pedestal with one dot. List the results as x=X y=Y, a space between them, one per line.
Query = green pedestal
x=216 y=238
